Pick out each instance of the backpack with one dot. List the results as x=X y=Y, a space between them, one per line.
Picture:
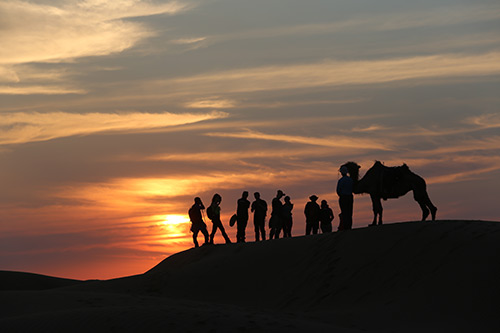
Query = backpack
x=210 y=213
x=191 y=214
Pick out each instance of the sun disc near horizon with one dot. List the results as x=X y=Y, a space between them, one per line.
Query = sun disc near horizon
x=175 y=224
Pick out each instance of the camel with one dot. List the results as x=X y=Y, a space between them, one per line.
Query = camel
x=383 y=182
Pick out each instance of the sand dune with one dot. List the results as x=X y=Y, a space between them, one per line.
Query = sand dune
x=406 y=277
x=29 y=281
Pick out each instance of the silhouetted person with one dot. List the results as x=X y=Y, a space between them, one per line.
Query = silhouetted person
x=259 y=209
x=242 y=217
x=287 y=217
x=325 y=217
x=346 y=199
x=276 y=220
x=197 y=223
x=311 y=211
x=213 y=213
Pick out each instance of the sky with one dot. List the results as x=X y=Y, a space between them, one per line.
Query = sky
x=114 y=115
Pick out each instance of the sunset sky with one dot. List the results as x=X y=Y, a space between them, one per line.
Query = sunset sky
x=114 y=115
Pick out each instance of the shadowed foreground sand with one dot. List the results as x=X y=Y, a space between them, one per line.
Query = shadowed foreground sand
x=406 y=277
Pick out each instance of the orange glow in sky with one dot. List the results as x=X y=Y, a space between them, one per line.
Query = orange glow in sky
x=115 y=115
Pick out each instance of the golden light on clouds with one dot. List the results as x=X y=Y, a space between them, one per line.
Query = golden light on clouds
x=490 y=120
x=214 y=103
x=331 y=141
x=187 y=98
x=21 y=127
x=77 y=29
x=176 y=225
x=39 y=90
x=335 y=72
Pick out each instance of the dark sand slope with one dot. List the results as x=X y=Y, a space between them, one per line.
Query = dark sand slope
x=408 y=277
x=29 y=281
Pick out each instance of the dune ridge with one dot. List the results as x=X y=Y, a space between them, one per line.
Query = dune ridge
x=29 y=281
x=404 y=277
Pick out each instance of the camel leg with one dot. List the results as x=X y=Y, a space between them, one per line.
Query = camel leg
x=425 y=203
x=425 y=210
x=429 y=207
x=433 y=212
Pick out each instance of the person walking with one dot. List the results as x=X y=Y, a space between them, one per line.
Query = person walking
x=346 y=199
x=311 y=211
x=197 y=223
x=242 y=217
x=287 y=217
x=325 y=217
x=276 y=220
x=213 y=213
x=259 y=210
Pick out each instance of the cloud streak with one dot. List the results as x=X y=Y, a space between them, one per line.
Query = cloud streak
x=438 y=17
x=23 y=127
x=32 y=32
x=331 y=141
x=337 y=73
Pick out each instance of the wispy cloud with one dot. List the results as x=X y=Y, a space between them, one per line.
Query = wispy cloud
x=491 y=120
x=336 y=73
x=331 y=141
x=32 y=32
x=213 y=103
x=25 y=127
x=437 y=17
x=39 y=90
x=35 y=32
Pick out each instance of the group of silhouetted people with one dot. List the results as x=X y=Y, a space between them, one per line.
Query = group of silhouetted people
x=318 y=217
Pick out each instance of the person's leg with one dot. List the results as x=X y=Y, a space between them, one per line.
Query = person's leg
x=349 y=207
x=315 y=228
x=277 y=233
x=204 y=231
x=223 y=231
x=244 y=230
x=195 y=238
x=263 y=229
x=214 y=230
x=239 y=230
x=256 y=230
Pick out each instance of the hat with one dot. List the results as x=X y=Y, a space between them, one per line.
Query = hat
x=313 y=197
x=280 y=193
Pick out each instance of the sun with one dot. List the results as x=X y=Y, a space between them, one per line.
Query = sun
x=175 y=225
x=174 y=220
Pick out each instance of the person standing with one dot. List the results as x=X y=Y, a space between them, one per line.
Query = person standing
x=276 y=220
x=311 y=211
x=242 y=217
x=325 y=217
x=259 y=210
x=197 y=223
x=287 y=217
x=213 y=213
x=346 y=199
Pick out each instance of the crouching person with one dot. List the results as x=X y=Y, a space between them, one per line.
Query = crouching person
x=197 y=223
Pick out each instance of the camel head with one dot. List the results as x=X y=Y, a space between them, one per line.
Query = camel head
x=353 y=168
